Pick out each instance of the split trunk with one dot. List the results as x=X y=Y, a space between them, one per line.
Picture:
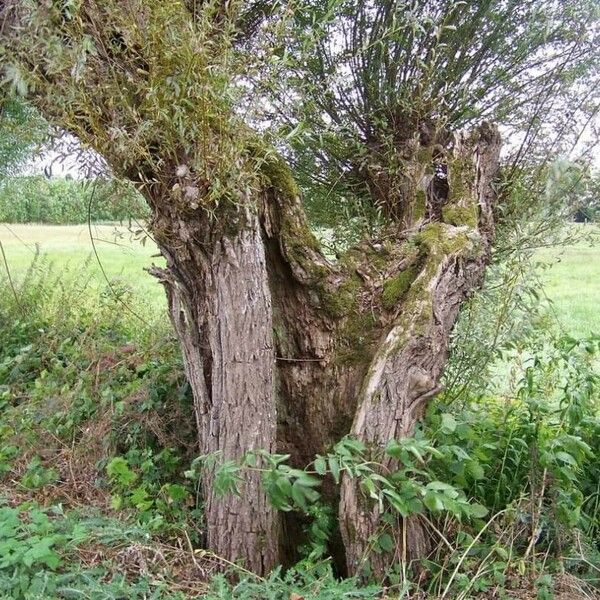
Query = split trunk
x=288 y=351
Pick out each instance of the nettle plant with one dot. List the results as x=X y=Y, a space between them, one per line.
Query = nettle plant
x=531 y=463
x=147 y=482
x=32 y=549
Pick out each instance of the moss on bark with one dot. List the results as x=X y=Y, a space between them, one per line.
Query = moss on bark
x=279 y=176
x=395 y=288
x=460 y=215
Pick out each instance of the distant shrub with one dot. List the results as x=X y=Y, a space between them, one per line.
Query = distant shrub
x=22 y=131
x=37 y=199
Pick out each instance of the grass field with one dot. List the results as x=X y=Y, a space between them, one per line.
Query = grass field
x=572 y=283
x=69 y=247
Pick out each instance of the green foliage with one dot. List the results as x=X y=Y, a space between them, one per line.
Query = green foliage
x=364 y=92
x=306 y=580
x=148 y=482
x=164 y=111
x=168 y=112
x=546 y=432
x=41 y=559
x=67 y=369
x=510 y=312
x=65 y=201
x=488 y=473
x=586 y=193
x=529 y=459
x=409 y=489
x=22 y=131
x=29 y=547
x=37 y=475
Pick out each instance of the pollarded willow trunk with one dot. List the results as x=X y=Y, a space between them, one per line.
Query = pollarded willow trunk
x=273 y=334
x=220 y=305
x=409 y=361
x=284 y=350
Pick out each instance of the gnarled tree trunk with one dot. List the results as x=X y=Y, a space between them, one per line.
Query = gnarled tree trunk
x=275 y=334
x=408 y=363
x=284 y=350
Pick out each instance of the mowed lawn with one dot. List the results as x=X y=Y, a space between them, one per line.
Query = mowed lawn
x=572 y=283
x=69 y=248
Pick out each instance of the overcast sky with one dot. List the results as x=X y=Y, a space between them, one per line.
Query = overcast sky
x=67 y=157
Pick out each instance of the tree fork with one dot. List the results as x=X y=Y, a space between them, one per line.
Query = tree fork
x=408 y=364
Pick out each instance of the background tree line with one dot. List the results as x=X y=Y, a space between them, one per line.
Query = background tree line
x=63 y=201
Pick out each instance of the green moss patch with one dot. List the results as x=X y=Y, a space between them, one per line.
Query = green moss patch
x=343 y=301
x=460 y=215
x=280 y=176
x=395 y=288
x=356 y=340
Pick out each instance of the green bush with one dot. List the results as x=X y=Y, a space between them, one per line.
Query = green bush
x=531 y=459
x=37 y=199
x=507 y=486
x=90 y=375
x=22 y=131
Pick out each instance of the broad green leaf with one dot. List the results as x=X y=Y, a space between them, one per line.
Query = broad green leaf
x=448 y=423
x=386 y=542
x=320 y=465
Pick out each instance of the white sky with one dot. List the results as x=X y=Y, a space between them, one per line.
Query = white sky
x=66 y=157
x=49 y=164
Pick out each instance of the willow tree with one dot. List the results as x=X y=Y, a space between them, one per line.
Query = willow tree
x=285 y=348
x=22 y=131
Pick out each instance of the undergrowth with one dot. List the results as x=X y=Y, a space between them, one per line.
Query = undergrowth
x=507 y=487
x=98 y=469
x=49 y=553
x=95 y=413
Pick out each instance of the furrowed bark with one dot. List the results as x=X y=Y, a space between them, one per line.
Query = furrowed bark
x=220 y=306
x=265 y=321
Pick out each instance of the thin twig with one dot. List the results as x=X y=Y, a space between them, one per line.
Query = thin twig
x=10 y=281
x=108 y=283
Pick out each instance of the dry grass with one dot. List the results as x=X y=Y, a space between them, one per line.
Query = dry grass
x=175 y=565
